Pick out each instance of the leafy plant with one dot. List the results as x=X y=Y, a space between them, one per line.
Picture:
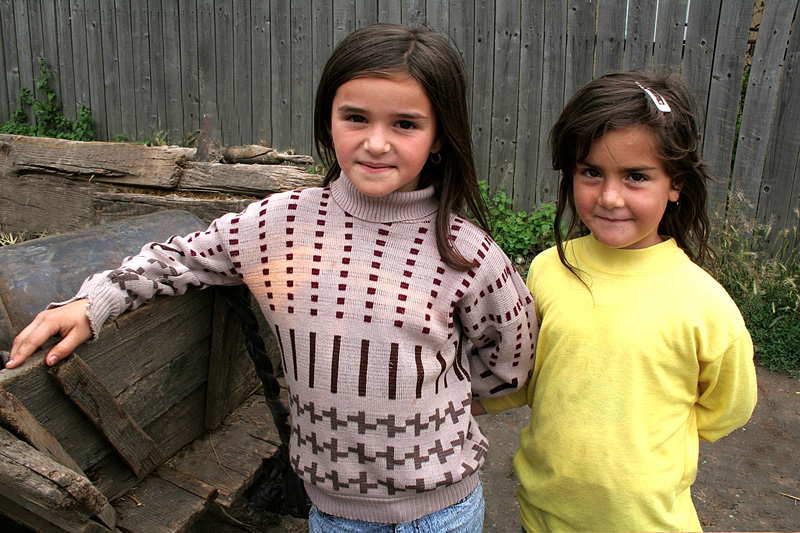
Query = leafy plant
x=48 y=114
x=764 y=281
x=521 y=234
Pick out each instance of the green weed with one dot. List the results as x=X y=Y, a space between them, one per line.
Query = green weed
x=48 y=114
x=763 y=281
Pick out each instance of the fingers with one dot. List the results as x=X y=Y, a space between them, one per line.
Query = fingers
x=69 y=321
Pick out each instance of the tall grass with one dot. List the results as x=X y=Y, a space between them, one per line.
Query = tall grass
x=761 y=271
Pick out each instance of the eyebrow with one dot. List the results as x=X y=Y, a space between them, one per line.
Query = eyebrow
x=353 y=109
x=628 y=169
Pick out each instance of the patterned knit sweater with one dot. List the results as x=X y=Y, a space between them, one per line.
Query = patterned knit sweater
x=383 y=345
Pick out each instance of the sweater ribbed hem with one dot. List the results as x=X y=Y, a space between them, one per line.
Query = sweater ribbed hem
x=392 y=510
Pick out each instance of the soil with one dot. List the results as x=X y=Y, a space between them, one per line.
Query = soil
x=747 y=481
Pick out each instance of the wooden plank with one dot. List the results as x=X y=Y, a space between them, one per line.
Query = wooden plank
x=413 y=12
x=173 y=92
x=461 y=31
x=113 y=207
x=111 y=69
x=281 y=63
x=670 y=27
x=640 y=33
x=190 y=83
x=124 y=358
x=366 y=12
x=302 y=95
x=723 y=97
x=609 y=55
x=580 y=45
x=226 y=340
x=94 y=60
x=11 y=59
x=223 y=39
x=231 y=457
x=158 y=506
x=483 y=57
x=780 y=173
x=701 y=36
x=146 y=115
x=92 y=397
x=530 y=89
x=18 y=420
x=437 y=15
x=66 y=72
x=321 y=40
x=389 y=11
x=251 y=180
x=186 y=482
x=552 y=94
x=261 y=94
x=155 y=24
x=126 y=68
x=6 y=103
x=46 y=488
x=27 y=64
x=759 y=104
x=118 y=163
x=502 y=156
x=242 y=62
x=207 y=59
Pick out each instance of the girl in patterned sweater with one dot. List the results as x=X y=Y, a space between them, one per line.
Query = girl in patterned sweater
x=392 y=309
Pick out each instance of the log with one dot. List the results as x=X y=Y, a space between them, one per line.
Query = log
x=247 y=180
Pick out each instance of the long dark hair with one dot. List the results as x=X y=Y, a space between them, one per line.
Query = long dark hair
x=386 y=50
x=615 y=102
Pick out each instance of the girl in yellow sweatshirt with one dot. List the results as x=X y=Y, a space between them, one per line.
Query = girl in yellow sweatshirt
x=641 y=353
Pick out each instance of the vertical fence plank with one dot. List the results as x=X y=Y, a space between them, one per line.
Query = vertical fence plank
x=366 y=12
x=780 y=188
x=580 y=45
x=437 y=15
x=671 y=25
x=6 y=103
x=190 y=88
x=173 y=92
x=145 y=111
x=110 y=57
x=413 y=12
x=504 y=88
x=640 y=33
x=25 y=59
x=281 y=75
x=94 y=56
x=723 y=97
x=158 y=89
x=226 y=72
x=322 y=38
x=461 y=31
x=530 y=102
x=701 y=36
x=10 y=57
x=63 y=31
x=127 y=94
x=483 y=57
x=554 y=60
x=242 y=72
x=302 y=94
x=759 y=104
x=207 y=63
x=262 y=66
x=389 y=11
x=610 y=38
x=344 y=16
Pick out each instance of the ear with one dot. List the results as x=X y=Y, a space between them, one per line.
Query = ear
x=437 y=145
x=675 y=192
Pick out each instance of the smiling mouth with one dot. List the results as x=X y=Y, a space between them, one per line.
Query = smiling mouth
x=375 y=166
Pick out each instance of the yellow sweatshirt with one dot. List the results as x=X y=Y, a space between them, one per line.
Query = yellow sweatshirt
x=630 y=373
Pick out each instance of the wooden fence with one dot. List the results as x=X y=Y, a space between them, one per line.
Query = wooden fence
x=154 y=67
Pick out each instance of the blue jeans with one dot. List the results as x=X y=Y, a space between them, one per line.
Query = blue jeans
x=465 y=516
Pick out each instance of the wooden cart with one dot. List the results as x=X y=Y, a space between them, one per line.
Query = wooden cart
x=141 y=430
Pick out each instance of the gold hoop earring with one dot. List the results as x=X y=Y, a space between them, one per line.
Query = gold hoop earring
x=436 y=158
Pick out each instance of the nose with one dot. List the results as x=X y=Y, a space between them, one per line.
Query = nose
x=611 y=195
x=377 y=141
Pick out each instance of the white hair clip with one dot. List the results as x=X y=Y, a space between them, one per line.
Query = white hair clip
x=661 y=104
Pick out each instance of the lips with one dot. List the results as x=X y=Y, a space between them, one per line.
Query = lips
x=370 y=166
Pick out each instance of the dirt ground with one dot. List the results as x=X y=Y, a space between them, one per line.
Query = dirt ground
x=747 y=481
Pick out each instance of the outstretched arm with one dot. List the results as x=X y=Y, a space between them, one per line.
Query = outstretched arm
x=69 y=321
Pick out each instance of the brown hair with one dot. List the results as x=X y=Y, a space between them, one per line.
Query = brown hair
x=386 y=50
x=615 y=102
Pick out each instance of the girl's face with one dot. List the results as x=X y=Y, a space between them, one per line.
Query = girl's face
x=383 y=130
x=621 y=189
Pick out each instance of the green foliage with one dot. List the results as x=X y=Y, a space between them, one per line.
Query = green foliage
x=161 y=138
x=521 y=234
x=764 y=282
x=47 y=111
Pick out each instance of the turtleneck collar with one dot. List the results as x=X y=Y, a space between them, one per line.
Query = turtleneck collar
x=394 y=207
x=657 y=258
